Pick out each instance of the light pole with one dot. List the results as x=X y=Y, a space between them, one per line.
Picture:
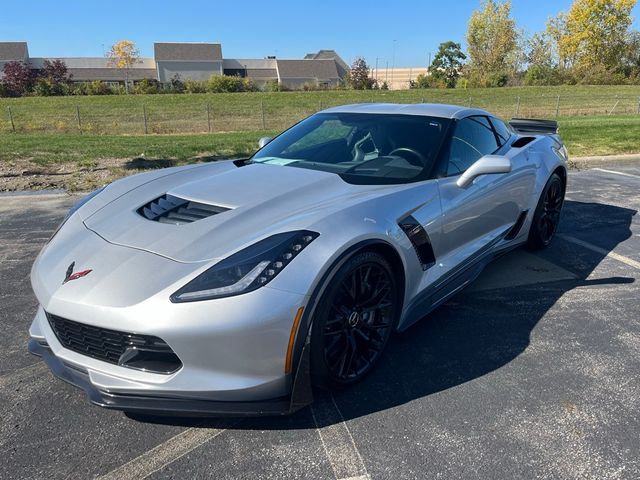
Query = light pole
x=376 y=69
x=393 y=63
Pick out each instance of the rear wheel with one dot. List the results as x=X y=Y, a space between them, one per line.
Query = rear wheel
x=547 y=215
x=354 y=320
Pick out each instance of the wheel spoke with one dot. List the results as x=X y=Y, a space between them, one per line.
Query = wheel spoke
x=359 y=321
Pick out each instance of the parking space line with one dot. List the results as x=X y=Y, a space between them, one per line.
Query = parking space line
x=164 y=454
x=602 y=251
x=338 y=443
x=616 y=173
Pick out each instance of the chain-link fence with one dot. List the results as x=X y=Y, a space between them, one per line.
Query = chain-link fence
x=175 y=114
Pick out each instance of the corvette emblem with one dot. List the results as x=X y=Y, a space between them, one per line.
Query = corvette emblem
x=74 y=276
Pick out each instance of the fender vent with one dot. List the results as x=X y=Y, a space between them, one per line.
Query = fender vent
x=177 y=211
x=515 y=230
x=420 y=241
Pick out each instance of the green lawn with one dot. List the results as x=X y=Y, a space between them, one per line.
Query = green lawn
x=597 y=135
x=201 y=113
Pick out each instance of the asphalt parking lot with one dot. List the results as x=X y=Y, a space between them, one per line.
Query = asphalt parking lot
x=532 y=372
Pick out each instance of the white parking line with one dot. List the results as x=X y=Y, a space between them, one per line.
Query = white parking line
x=616 y=173
x=163 y=454
x=607 y=253
x=338 y=443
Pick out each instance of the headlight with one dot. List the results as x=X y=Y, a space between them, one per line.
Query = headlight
x=246 y=270
x=76 y=206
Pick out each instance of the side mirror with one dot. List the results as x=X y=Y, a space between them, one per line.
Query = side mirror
x=263 y=141
x=484 y=166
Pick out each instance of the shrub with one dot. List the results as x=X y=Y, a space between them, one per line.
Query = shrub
x=98 y=87
x=193 y=86
x=542 y=75
x=427 y=81
x=227 y=84
x=146 y=86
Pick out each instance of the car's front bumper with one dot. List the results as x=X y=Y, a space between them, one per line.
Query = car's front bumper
x=145 y=402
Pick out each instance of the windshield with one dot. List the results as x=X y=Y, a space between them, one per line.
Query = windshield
x=361 y=147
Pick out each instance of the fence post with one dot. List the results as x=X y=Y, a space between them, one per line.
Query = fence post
x=614 y=106
x=320 y=105
x=144 y=115
x=518 y=106
x=557 y=106
x=264 y=127
x=209 y=118
x=13 y=126
x=78 y=118
x=422 y=100
x=638 y=105
x=469 y=104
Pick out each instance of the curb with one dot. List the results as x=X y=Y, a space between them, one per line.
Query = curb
x=578 y=163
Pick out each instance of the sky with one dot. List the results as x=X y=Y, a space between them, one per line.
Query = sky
x=402 y=33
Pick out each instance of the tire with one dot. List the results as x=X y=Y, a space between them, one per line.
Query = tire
x=547 y=214
x=354 y=321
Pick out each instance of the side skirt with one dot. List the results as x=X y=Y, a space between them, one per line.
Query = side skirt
x=456 y=280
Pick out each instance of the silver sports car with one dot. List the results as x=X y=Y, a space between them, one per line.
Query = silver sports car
x=233 y=287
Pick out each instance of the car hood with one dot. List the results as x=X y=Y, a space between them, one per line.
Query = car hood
x=259 y=199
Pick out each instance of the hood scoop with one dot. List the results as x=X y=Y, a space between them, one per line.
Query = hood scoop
x=177 y=211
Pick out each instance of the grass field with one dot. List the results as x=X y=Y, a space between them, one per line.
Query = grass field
x=110 y=138
x=202 y=113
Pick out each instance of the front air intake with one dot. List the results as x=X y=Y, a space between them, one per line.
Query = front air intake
x=177 y=211
x=132 y=350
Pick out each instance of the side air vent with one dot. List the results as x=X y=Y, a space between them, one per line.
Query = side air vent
x=515 y=230
x=420 y=241
x=522 y=141
x=177 y=211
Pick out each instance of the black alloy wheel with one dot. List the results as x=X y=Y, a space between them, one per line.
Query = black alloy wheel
x=547 y=215
x=355 y=319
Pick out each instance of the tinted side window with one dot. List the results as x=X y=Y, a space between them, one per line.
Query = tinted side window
x=472 y=138
x=502 y=131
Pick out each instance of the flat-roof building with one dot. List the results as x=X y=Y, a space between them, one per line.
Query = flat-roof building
x=193 y=61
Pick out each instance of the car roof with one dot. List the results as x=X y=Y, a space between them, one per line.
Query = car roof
x=440 y=110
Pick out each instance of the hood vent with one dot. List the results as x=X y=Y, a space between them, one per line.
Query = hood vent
x=177 y=211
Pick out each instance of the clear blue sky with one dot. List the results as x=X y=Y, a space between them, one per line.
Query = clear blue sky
x=254 y=29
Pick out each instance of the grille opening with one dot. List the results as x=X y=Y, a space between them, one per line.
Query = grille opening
x=177 y=211
x=142 y=352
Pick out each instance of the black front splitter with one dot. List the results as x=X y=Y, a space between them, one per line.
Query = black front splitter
x=174 y=406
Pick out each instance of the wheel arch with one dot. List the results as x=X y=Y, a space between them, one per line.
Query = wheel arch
x=377 y=245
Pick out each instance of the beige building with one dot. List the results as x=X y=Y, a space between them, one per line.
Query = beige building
x=193 y=61
x=398 y=78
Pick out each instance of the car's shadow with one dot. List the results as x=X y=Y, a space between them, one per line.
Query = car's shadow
x=473 y=334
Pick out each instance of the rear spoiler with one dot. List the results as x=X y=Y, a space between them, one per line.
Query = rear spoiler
x=534 y=126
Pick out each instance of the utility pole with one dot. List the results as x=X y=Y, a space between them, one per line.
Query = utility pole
x=429 y=64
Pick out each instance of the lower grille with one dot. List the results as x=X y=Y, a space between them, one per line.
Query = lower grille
x=142 y=352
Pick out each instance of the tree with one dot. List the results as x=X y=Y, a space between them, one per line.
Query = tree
x=631 y=56
x=593 y=33
x=359 y=77
x=53 y=78
x=17 y=79
x=55 y=71
x=492 y=40
x=447 y=63
x=124 y=55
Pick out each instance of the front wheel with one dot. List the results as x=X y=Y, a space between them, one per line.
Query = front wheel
x=547 y=214
x=354 y=320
